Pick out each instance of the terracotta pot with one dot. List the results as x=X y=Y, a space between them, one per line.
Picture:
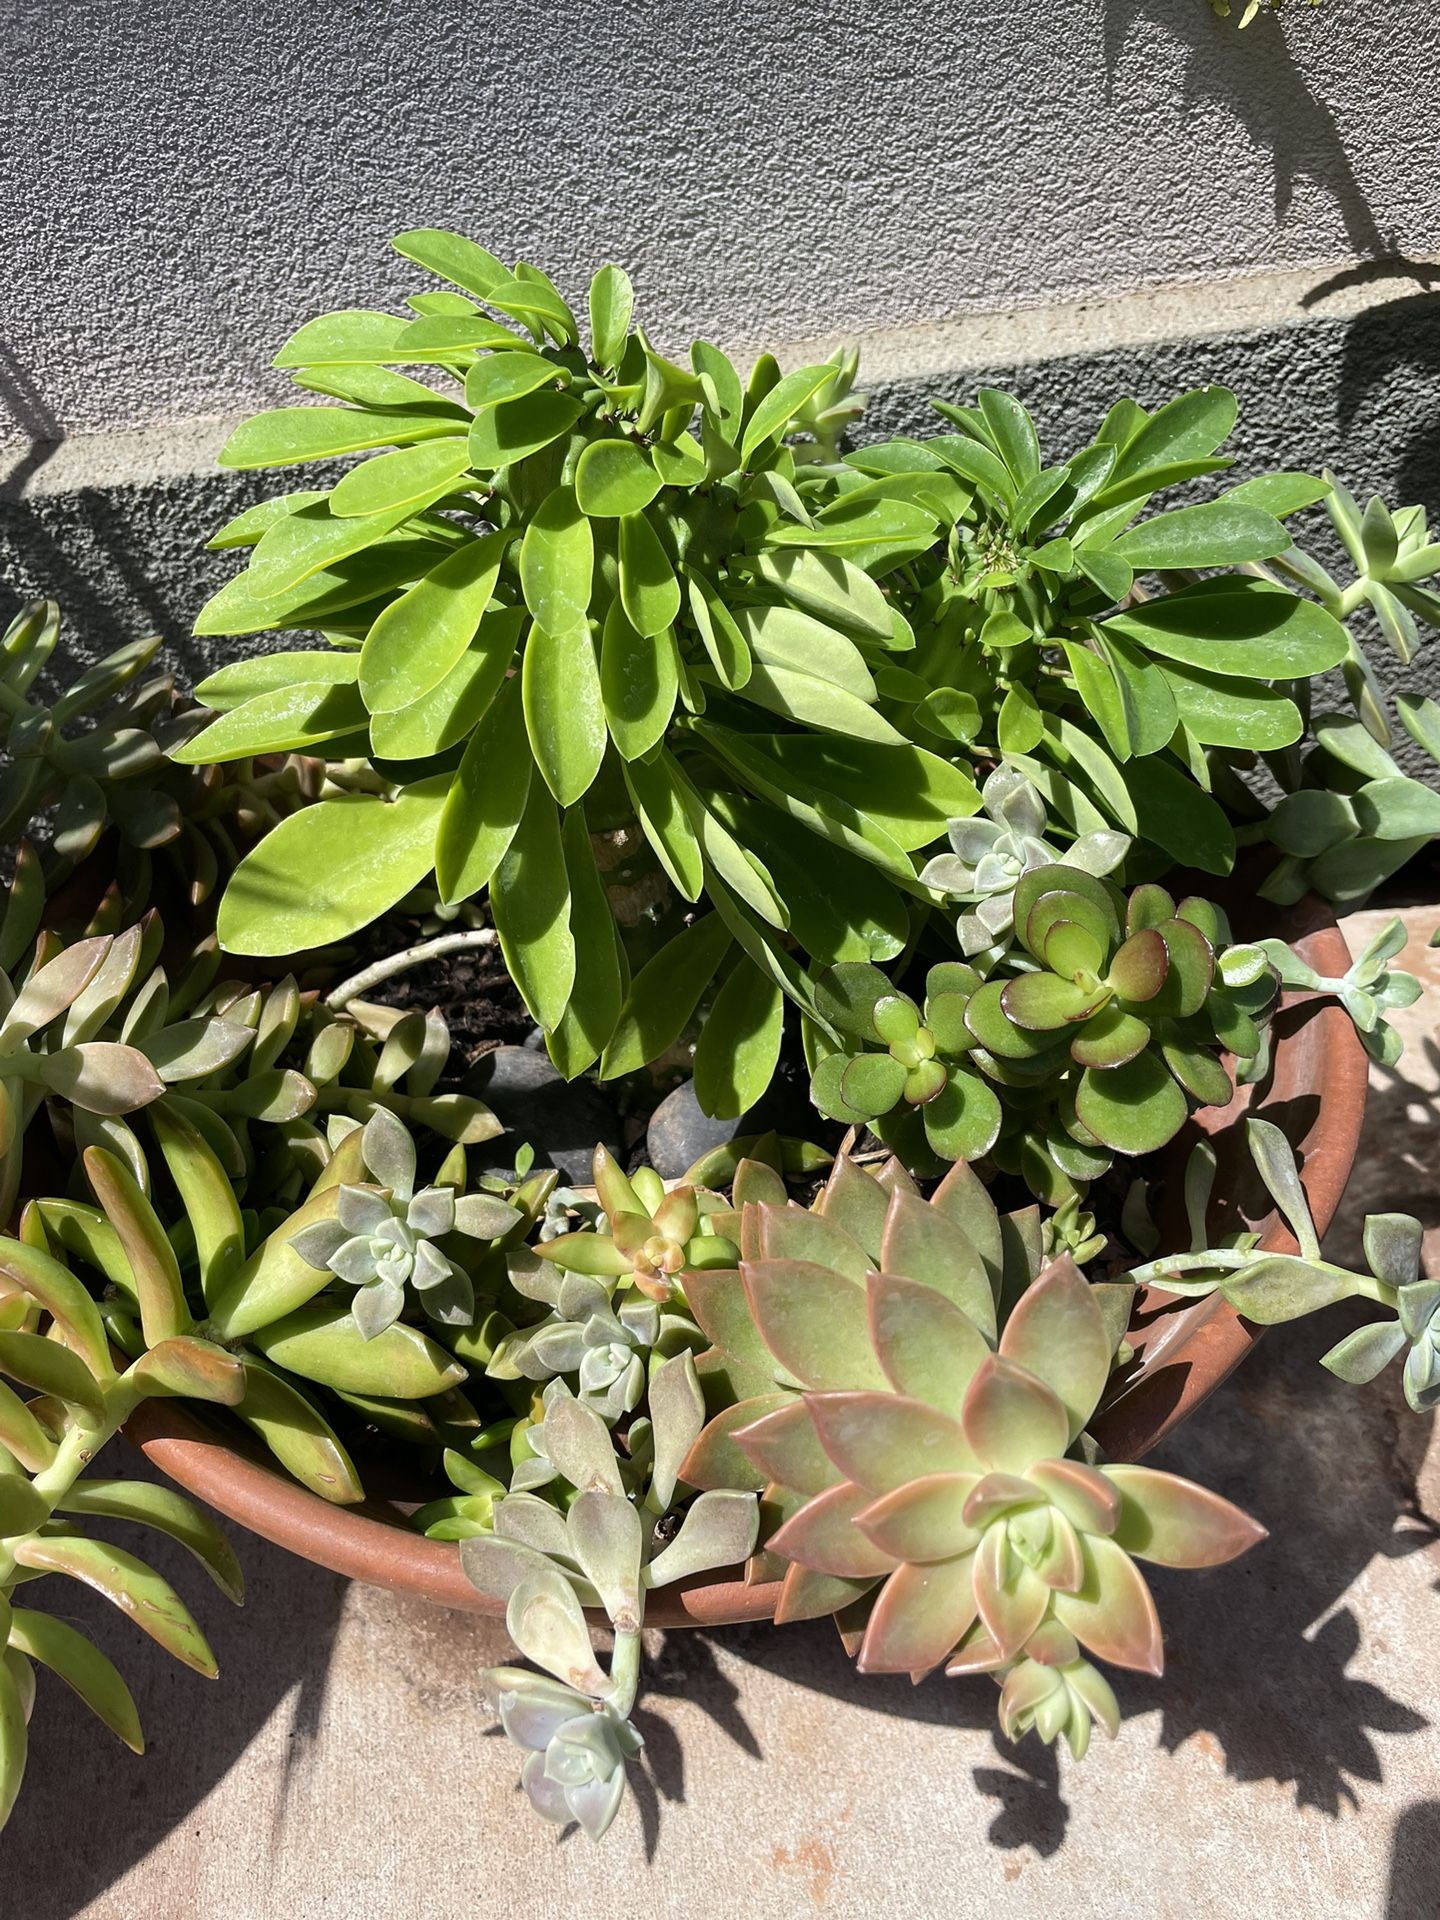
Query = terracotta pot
x=1316 y=1090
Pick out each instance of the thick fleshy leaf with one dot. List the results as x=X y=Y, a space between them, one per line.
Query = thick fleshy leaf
x=604 y=1534
x=321 y=1342
x=1043 y=1002
x=1174 y=1522
x=1133 y=1108
x=1057 y=1333
x=1010 y=1599
x=1012 y=1419
x=806 y=1595
x=170 y=1513
x=719 y=1530
x=677 y=1415
x=923 y=1243
x=814 y=1321
x=139 y=1592
x=1113 y=1615
x=544 y=1619
x=824 y=1537
x=921 y=1614
x=1138 y=970
x=857 y=1204
x=579 y=1447
x=82 y=1666
x=882 y=1441
x=924 y=1520
x=785 y=1448
x=928 y=1348
x=794 y=1233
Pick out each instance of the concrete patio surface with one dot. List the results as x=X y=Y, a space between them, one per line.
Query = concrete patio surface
x=1288 y=1762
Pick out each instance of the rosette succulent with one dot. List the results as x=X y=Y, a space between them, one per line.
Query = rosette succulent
x=1131 y=1004
x=383 y=1240
x=576 y=1749
x=989 y=856
x=921 y=1442
x=909 y=1061
x=602 y=1344
x=650 y=1237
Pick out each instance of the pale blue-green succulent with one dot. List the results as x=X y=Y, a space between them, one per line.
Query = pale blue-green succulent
x=384 y=1239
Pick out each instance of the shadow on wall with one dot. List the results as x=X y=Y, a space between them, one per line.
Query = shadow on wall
x=1258 y=78
x=1415 y=1863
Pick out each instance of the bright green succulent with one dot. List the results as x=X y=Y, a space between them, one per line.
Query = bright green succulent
x=53 y=1342
x=989 y=857
x=384 y=1239
x=576 y=589
x=651 y=1237
x=1098 y=1030
x=896 y=1057
x=923 y=1448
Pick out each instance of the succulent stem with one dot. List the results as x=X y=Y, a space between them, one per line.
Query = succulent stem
x=402 y=962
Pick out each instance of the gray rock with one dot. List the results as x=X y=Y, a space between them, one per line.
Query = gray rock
x=562 y=1120
x=679 y=1132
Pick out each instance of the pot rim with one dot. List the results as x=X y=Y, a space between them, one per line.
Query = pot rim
x=1184 y=1353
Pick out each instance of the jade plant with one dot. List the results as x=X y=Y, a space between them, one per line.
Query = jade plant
x=1103 y=1023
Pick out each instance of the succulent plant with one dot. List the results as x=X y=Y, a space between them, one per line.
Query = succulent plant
x=909 y=1058
x=53 y=1342
x=603 y=1345
x=1271 y=1288
x=651 y=1237
x=39 y=1057
x=383 y=1240
x=69 y=784
x=989 y=857
x=1368 y=989
x=605 y=1550
x=924 y=1449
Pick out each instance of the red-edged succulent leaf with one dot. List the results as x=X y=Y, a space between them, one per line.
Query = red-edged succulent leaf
x=976 y=1653
x=963 y=1197
x=1109 y=1038
x=785 y=1448
x=882 y=1441
x=987 y=1020
x=794 y=1233
x=922 y=1243
x=1052 y=1645
x=814 y=1321
x=1138 y=970
x=1177 y=1524
x=1149 y=905
x=1010 y=1599
x=1191 y=970
x=1083 y=1494
x=757 y=1181
x=1057 y=1333
x=823 y=1536
x=928 y=1348
x=997 y=1493
x=856 y=1204
x=852 y=1621
x=1046 y=896
x=806 y=1595
x=1113 y=1615
x=920 y=1614
x=1043 y=1002
x=715 y=1460
x=719 y=1302
x=678 y=1214
x=922 y=1521
x=1012 y=1419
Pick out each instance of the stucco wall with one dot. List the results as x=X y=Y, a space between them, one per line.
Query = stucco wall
x=187 y=180
x=977 y=188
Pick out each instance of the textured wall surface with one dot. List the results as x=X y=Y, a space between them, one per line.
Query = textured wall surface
x=988 y=189
x=186 y=182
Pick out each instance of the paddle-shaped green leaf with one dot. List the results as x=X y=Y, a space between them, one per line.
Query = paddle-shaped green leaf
x=530 y=903
x=421 y=635
x=137 y=1590
x=371 y=852
x=82 y=1666
x=564 y=713
x=487 y=799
